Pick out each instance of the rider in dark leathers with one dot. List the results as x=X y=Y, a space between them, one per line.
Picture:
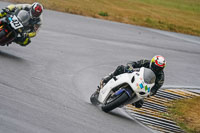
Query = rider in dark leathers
x=157 y=64
x=35 y=22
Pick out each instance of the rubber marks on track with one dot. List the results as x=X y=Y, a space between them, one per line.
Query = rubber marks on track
x=150 y=113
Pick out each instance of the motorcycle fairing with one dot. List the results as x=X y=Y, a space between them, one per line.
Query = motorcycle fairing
x=127 y=78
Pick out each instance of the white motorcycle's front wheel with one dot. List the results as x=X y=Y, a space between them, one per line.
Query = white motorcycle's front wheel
x=114 y=102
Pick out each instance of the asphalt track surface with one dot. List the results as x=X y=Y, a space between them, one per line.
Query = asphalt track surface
x=45 y=87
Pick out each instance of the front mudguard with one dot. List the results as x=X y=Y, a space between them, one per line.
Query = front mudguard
x=94 y=98
x=127 y=90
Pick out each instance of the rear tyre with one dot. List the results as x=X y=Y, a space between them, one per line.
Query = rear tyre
x=115 y=102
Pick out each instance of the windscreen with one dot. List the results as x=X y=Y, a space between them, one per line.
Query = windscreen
x=23 y=17
x=149 y=76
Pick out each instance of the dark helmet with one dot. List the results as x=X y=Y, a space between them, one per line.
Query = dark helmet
x=157 y=63
x=36 y=10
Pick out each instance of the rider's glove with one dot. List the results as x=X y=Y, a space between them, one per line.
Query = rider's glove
x=128 y=69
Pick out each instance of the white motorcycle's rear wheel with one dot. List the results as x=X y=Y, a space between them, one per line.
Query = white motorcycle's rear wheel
x=114 y=103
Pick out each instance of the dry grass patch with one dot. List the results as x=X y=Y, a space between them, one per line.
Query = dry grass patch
x=187 y=114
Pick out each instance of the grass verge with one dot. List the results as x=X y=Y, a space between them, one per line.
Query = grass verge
x=173 y=15
x=186 y=113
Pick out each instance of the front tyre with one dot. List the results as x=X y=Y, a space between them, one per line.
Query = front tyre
x=115 y=102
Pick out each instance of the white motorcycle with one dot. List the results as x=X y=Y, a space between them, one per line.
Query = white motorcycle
x=124 y=89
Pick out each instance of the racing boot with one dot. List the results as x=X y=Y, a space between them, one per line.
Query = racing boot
x=95 y=95
x=104 y=81
x=120 y=69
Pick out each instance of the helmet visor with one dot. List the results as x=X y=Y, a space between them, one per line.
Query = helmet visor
x=36 y=11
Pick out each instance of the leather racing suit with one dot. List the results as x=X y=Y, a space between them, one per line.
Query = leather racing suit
x=129 y=67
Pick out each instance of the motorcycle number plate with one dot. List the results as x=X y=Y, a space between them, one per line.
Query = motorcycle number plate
x=15 y=23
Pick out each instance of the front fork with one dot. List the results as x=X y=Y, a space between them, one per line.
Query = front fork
x=128 y=91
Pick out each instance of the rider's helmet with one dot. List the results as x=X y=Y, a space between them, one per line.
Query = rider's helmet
x=36 y=10
x=157 y=63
